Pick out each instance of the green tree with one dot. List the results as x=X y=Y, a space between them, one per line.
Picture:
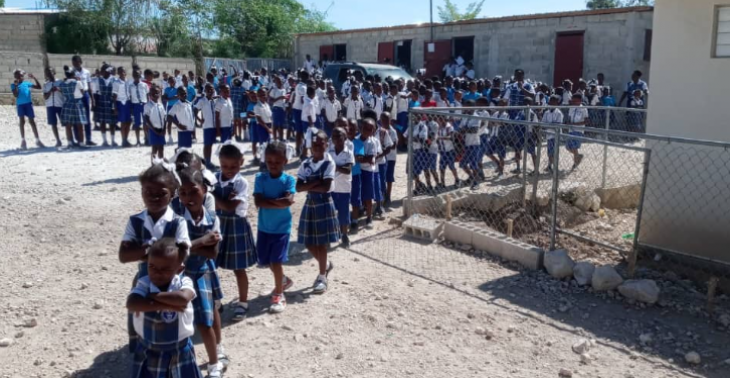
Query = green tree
x=450 y=11
x=607 y=4
x=70 y=35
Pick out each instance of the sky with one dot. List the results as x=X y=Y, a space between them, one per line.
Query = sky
x=356 y=14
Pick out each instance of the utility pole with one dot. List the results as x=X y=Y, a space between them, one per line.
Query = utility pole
x=431 y=13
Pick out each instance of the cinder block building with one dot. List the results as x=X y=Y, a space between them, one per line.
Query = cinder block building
x=549 y=47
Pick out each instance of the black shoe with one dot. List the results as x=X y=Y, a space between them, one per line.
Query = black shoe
x=90 y=143
x=345 y=240
x=378 y=212
x=354 y=228
x=516 y=171
x=369 y=223
x=474 y=185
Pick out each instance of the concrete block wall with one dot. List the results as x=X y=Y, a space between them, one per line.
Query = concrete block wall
x=92 y=62
x=613 y=44
x=31 y=62
x=21 y=32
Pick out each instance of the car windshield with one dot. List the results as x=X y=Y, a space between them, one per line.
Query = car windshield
x=394 y=72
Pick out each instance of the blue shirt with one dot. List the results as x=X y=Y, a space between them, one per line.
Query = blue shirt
x=358 y=149
x=171 y=96
x=191 y=93
x=450 y=93
x=274 y=221
x=23 y=92
x=608 y=101
x=413 y=104
x=514 y=94
x=470 y=96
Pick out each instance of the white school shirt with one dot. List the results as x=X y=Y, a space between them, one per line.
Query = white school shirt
x=225 y=108
x=157 y=229
x=449 y=69
x=343 y=182
x=183 y=319
x=392 y=105
x=354 y=108
x=446 y=145
x=472 y=138
x=393 y=154
x=184 y=114
x=376 y=103
x=385 y=142
x=484 y=128
x=156 y=113
x=345 y=91
x=178 y=81
x=420 y=133
x=553 y=116
x=96 y=84
x=121 y=89
x=240 y=186
x=138 y=92
x=264 y=111
x=320 y=94
x=310 y=169
x=332 y=109
x=311 y=105
x=577 y=115
x=84 y=77
x=56 y=98
x=402 y=102
x=459 y=70
x=567 y=96
x=470 y=74
x=208 y=108
x=442 y=103
x=277 y=92
x=300 y=91
x=370 y=147
x=433 y=131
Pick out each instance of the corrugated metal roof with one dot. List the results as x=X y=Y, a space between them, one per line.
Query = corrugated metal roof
x=580 y=13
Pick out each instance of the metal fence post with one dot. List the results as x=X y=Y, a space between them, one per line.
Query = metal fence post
x=526 y=110
x=536 y=178
x=409 y=165
x=605 y=148
x=639 y=212
x=556 y=182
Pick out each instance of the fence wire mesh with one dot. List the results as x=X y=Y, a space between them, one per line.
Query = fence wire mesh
x=588 y=180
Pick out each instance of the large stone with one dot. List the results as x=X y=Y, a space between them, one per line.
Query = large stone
x=624 y=197
x=559 y=264
x=645 y=291
x=583 y=272
x=606 y=278
x=587 y=200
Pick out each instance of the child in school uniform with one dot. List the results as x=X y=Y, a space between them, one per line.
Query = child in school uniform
x=54 y=101
x=310 y=109
x=156 y=222
x=367 y=159
x=298 y=98
x=344 y=159
x=104 y=109
x=318 y=225
x=181 y=115
x=273 y=195
x=121 y=104
x=530 y=136
x=391 y=154
x=330 y=109
x=237 y=96
x=356 y=192
x=206 y=108
x=237 y=249
x=138 y=91
x=473 y=151
x=447 y=153
x=162 y=312
x=577 y=116
x=204 y=232
x=155 y=119
x=636 y=119
x=277 y=96
x=552 y=116
x=170 y=99
x=354 y=104
x=24 y=105
x=73 y=115
x=264 y=117
x=224 y=115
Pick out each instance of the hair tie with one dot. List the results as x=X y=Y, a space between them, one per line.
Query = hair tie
x=168 y=167
x=209 y=178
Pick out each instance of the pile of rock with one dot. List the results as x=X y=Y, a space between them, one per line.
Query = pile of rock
x=602 y=278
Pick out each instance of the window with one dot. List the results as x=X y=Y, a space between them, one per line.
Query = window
x=647 y=45
x=721 y=48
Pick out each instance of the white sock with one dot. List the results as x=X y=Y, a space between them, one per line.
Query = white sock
x=243 y=304
x=219 y=349
x=323 y=277
x=103 y=137
x=113 y=138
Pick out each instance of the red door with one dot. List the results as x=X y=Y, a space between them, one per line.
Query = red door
x=568 y=57
x=386 y=52
x=435 y=60
x=326 y=52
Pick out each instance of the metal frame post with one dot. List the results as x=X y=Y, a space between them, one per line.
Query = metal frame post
x=556 y=183
x=524 y=158
x=605 y=148
x=409 y=164
x=639 y=213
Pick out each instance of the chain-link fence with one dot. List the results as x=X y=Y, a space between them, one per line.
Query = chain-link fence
x=585 y=179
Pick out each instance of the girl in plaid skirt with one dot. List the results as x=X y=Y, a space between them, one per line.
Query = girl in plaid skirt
x=204 y=232
x=163 y=316
x=73 y=115
x=318 y=224
x=237 y=248
x=104 y=108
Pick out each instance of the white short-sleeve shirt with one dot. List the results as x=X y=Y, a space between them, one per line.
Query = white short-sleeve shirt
x=264 y=111
x=121 y=90
x=183 y=319
x=447 y=143
x=332 y=109
x=372 y=148
x=301 y=94
x=311 y=105
x=56 y=98
x=156 y=113
x=277 y=92
x=393 y=154
x=553 y=116
x=184 y=114
x=157 y=229
x=343 y=182
x=577 y=115
x=385 y=142
x=354 y=108
x=309 y=169
x=240 y=186
x=208 y=109
x=138 y=92
x=225 y=108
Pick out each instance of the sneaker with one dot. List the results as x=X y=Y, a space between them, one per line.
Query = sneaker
x=369 y=223
x=114 y=144
x=549 y=169
x=320 y=285
x=23 y=146
x=378 y=212
x=458 y=184
x=345 y=240
x=223 y=358
x=278 y=304
x=126 y=144
x=240 y=311
x=39 y=144
x=90 y=143
x=105 y=144
x=59 y=144
x=215 y=370
x=287 y=284
x=475 y=185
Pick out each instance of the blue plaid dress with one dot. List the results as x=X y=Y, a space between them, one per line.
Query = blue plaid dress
x=237 y=249
x=200 y=269
x=318 y=224
x=141 y=236
x=104 y=103
x=73 y=112
x=237 y=94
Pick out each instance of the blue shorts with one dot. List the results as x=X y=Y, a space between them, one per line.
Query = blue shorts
x=402 y=119
x=209 y=136
x=356 y=191
x=515 y=138
x=157 y=140
x=25 y=110
x=279 y=116
x=494 y=146
x=342 y=205
x=390 y=173
x=447 y=159
x=259 y=133
x=574 y=144
x=472 y=157
x=272 y=248
x=531 y=143
x=137 y=115
x=367 y=185
x=432 y=161
x=377 y=188
x=53 y=114
x=382 y=173
x=297 y=118
x=124 y=112
x=225 y=134
x=420 y=161
x=185 y=139
x=551 y=147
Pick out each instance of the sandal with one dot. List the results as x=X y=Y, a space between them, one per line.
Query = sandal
x=239 y=312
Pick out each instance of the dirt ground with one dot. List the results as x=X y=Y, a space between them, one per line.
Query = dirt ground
x=395 y=308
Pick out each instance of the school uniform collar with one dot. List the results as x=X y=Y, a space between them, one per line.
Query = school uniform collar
x=225 y=183
x=149 y=224
x=204 y=221
x=174 y=284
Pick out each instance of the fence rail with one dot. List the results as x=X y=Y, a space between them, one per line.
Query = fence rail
x=596 y=187
x=251 y=64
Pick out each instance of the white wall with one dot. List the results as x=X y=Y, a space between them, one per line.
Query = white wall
x=687 y=202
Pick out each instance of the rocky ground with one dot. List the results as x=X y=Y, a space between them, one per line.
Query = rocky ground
x=396 y=307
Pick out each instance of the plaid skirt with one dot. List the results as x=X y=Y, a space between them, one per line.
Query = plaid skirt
x=204 y=302
x=237 y=247
x=73 y=113
x=103 y=112
x=150 y=362
x=215 y=282
x=318 y=224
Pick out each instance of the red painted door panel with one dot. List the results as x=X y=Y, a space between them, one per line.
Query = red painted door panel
x=386 y=51
x=327 y=50
x=568 y=58
x=435 y=61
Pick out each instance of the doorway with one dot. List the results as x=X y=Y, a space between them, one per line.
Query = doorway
x=464 y=47
x=403 y=54
x=340 y=53
x=568 y=57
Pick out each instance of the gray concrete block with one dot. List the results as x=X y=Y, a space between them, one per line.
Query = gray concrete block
x=499 y=245
x=459 y=232
x=423 y=228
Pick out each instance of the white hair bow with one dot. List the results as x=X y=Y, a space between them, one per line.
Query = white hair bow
x=170 y=167
x=230 y=142
x=180 y=151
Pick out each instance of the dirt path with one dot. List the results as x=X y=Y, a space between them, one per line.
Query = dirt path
x=396 y=307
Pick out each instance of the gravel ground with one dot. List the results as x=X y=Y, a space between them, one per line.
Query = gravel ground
x=395 y=308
